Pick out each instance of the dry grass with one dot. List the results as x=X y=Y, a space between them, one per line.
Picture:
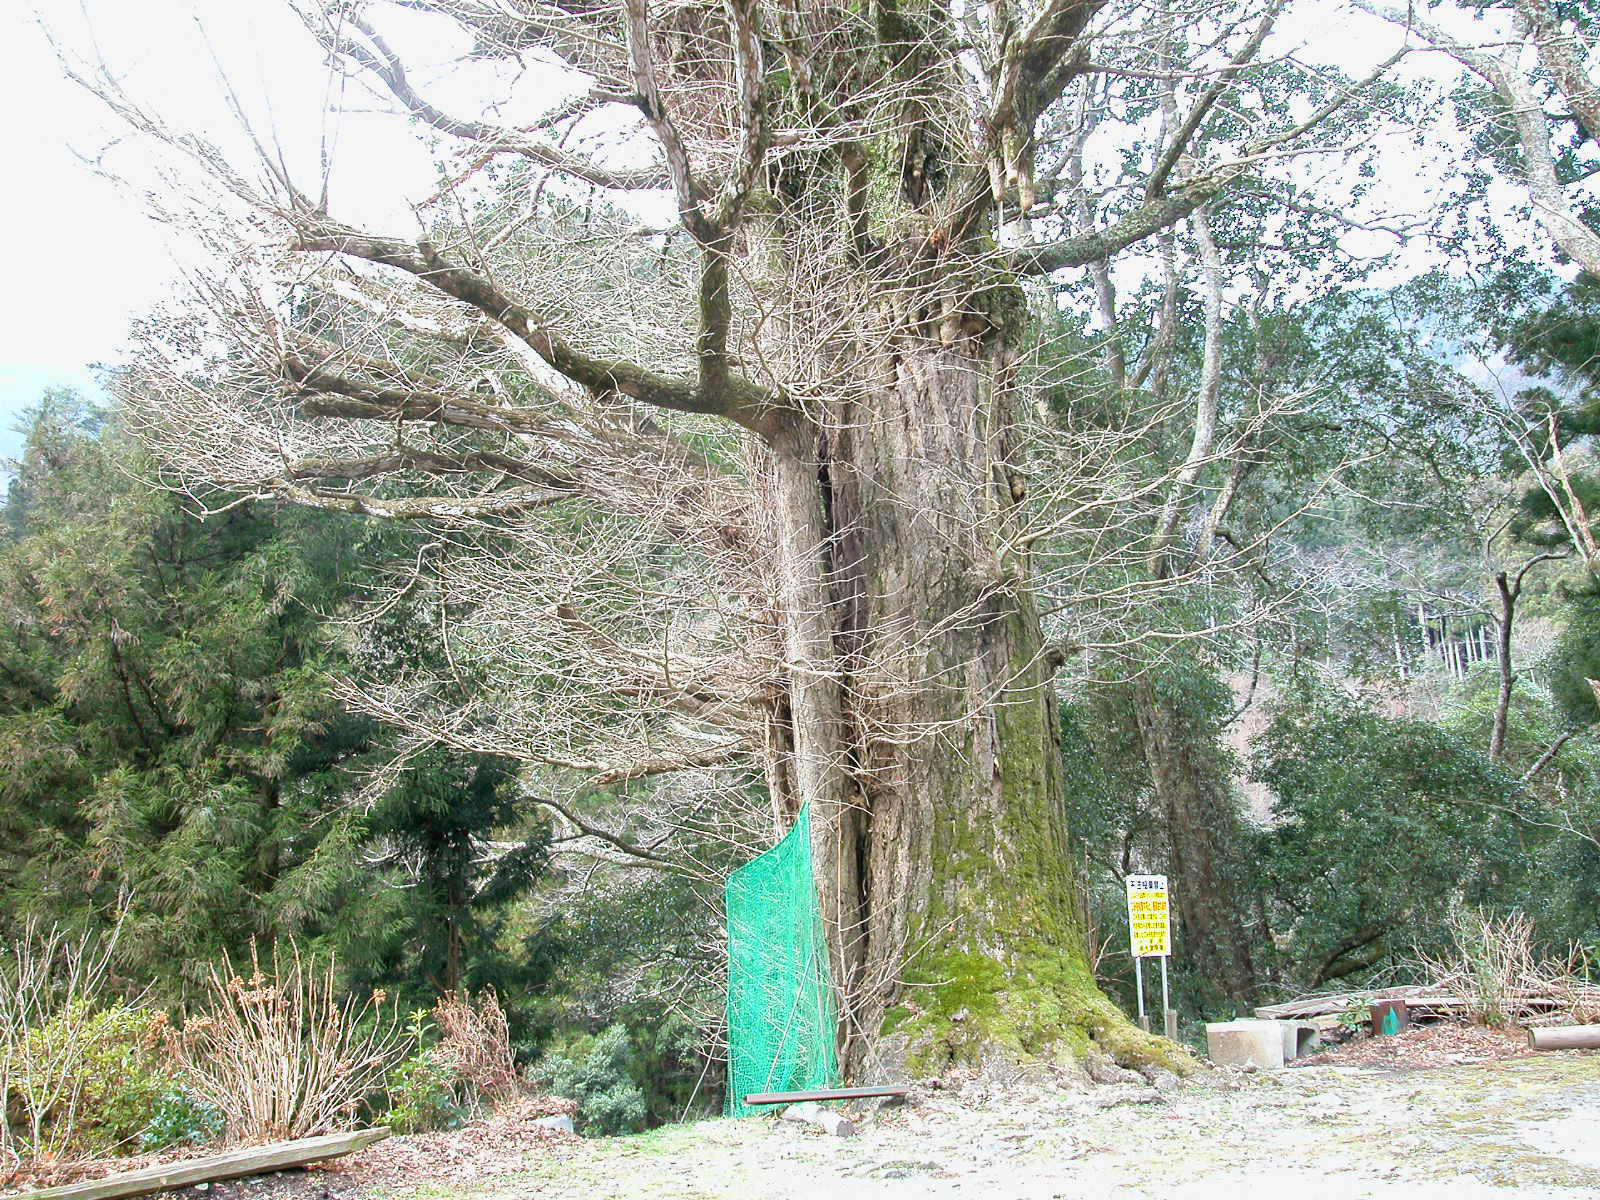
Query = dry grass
x=1496 y=967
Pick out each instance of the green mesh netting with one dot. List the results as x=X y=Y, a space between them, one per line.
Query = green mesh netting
x=780 y=999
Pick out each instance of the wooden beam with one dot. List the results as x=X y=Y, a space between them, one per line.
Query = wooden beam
x=859 y=1093
x=256 y=1160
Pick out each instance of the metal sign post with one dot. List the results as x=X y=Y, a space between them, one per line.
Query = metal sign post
x=1169 y=1015
x=1150 y=936
x=1138 y=987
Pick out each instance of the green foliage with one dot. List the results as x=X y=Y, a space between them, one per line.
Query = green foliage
x=126 y=1072
x=423 y=1088
x=640 y=950
x=1576 y=660
x=164 y=687
x=450 y=935
x=422 y=1094
x=1380 y=823
x=176 y=758
x=602 y=1074
x=1117 y=740
x=180 y=1118
x=106 y=1100
x=1356 y=1014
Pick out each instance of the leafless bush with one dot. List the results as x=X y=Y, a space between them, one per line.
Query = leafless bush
x=476 y=1041
x=282 y=1055
x=1495 y=966
x=50 y=982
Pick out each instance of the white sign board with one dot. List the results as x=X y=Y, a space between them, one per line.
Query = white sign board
x=1149 y=924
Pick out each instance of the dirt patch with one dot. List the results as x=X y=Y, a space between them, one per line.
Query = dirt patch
x=1488 y=1130
x=499 y=1145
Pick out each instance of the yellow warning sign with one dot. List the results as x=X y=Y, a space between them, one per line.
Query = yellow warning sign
x=1149 y=924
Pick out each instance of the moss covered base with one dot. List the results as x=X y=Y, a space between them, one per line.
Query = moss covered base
x=1041 y=1004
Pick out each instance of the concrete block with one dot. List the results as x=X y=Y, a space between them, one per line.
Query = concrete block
x=1245 y=1044
x=1299 y=1038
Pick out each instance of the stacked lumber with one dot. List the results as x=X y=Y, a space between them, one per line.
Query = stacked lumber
x=1537 y=1003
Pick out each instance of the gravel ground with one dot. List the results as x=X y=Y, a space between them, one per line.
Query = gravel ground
x=1517 y=1127
x=1492 y=1123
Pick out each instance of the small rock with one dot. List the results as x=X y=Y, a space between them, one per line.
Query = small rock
x=1160 y=1078
x=873 y=1103
x=813 y=1114
x=1103 y=1070
x=1127 y=1095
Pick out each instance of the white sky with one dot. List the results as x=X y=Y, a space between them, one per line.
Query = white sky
x=79 y=262
x=81 y=258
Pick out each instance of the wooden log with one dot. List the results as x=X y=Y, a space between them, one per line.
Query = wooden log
x=1565 y=1037
x=856 y=1093
x=256 y=1160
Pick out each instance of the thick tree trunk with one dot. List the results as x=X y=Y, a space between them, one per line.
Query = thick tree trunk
x=924 y=727
x=1203 y=826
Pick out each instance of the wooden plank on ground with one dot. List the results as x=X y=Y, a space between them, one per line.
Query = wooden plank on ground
x=1319 y=1006
x=858 y=1093
x=256 y=1160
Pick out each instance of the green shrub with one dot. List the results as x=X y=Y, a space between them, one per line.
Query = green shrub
x=126 y=1074
x=604 y=1083
x=618 y=1109
x=181 y=1118
x=423 y=1087
x=87 y=1082
x=422 y=1094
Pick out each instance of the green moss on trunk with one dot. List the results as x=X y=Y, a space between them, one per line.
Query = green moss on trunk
x=1042 y=1004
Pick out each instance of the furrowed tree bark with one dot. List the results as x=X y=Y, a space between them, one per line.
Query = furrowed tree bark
x=923 y=710
x=1203 y=829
